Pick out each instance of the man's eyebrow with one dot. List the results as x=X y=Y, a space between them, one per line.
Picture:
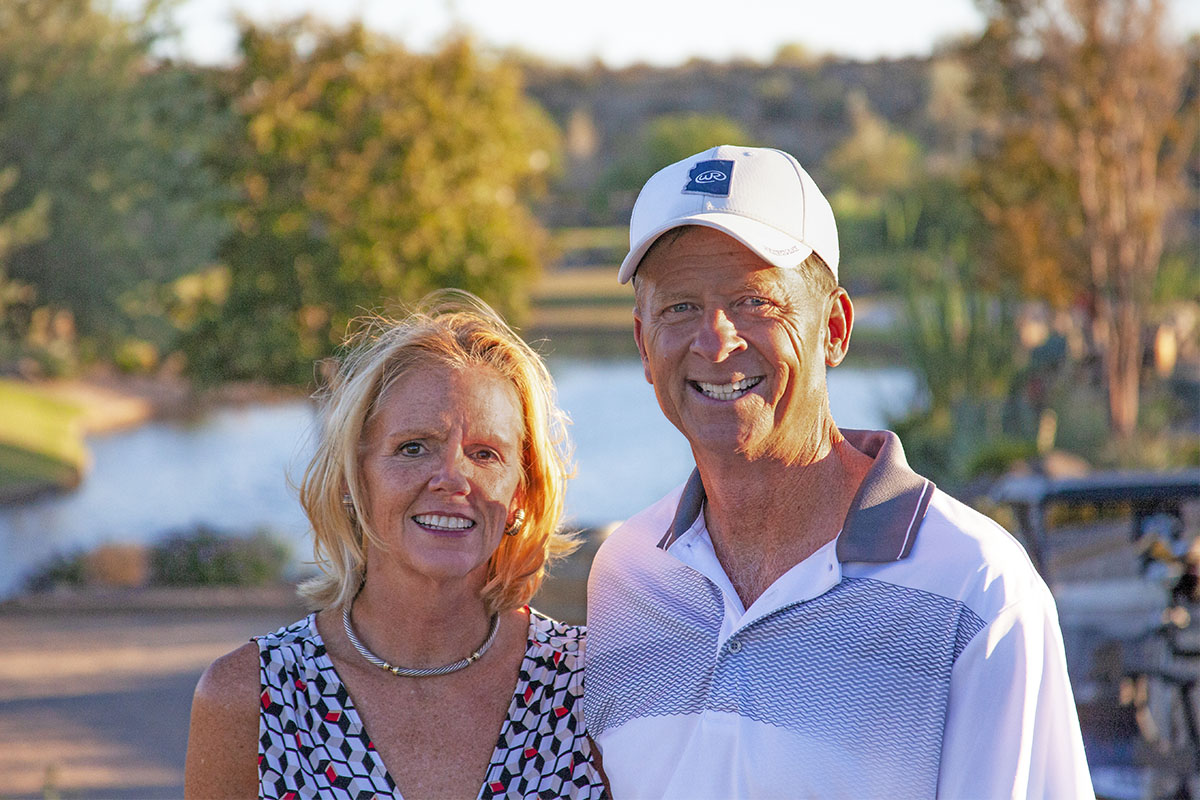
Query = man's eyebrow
x=662 y=297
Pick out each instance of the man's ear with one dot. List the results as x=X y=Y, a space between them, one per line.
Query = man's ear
x=838 y=325
x=641 y=345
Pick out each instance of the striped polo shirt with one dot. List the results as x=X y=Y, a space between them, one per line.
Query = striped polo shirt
x=916 y=655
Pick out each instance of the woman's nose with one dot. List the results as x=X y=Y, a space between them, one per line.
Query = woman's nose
x=450 y=475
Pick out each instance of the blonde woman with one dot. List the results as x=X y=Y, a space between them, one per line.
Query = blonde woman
x=435 y=496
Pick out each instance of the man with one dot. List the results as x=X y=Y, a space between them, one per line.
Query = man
x=806 y=616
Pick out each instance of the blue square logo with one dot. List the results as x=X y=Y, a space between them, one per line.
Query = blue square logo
x=710 y=177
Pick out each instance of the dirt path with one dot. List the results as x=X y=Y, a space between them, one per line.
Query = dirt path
x=96 y=688
x=95 y=696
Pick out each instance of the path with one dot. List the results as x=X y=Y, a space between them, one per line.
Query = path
x=96 y=689
x=95 y=694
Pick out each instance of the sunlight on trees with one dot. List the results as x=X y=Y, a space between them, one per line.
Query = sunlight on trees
x=367 y=177
x=108 y=144
x=1089 y=130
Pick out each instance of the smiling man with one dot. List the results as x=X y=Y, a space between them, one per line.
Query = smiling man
x=805 y=616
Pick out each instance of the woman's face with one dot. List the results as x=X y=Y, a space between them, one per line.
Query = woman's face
x=441 y=466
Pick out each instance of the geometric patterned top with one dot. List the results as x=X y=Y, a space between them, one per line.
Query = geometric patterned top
x=312 y=742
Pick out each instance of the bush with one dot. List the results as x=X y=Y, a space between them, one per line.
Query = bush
x=65 y=569
x=207 y=558
x=197 y=558
x=117 y=565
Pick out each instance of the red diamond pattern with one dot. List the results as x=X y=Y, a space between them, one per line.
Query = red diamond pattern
x=543 y=730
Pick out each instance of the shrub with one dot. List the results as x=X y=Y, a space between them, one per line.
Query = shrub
x=64 y=569
x=117 y=565
x=207 y=558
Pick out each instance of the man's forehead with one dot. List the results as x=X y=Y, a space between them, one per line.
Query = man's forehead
x=706 y=258
x=688 y=240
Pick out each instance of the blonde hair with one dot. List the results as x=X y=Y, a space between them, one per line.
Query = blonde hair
x=458 y=330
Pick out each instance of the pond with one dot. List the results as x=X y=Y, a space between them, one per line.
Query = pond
x=230 y=470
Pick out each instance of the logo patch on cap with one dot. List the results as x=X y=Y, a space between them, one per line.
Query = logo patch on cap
x=710 y=177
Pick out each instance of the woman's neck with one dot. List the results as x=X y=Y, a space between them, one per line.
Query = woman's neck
x=419 y=626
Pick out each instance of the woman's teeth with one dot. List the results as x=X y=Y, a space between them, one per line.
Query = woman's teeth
x=443 y=523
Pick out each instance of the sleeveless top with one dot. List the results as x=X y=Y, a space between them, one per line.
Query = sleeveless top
x=311 y=741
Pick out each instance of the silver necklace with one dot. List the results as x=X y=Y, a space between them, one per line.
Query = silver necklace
x=425 y=672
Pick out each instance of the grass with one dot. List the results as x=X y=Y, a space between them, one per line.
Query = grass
x=615 y=238
x=582 y=285
x=583 y=311
x=41 y=439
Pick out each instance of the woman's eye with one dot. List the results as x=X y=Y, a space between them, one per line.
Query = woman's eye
x=486 y=455
x=411 y=449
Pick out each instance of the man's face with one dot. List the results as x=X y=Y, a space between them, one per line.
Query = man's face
x=736 y=349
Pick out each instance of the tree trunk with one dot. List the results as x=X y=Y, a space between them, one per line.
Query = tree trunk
x=1124 y=363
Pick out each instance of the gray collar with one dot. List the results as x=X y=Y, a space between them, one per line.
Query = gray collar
x=884 y=516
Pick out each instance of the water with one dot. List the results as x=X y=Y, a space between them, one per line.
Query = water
x=230 y=470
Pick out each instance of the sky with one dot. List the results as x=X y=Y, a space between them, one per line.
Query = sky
x=622 y=32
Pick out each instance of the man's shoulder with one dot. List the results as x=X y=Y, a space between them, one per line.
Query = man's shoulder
x=649 y=525
x=637 y=538
x=963 y=553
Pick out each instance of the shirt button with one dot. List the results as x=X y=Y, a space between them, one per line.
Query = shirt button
x=735 y=646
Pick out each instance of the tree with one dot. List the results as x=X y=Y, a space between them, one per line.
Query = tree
x=366 y=176
x=17 y=229
x=109 y=141
x=882 y=168
x=664 y=140
x=1089 y=129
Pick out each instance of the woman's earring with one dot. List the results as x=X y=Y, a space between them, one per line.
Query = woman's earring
x=517 y=523
x=348 y=504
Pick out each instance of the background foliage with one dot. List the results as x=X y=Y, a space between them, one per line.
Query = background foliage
x=1024 y=202
x=364 y=175
x=104 y=146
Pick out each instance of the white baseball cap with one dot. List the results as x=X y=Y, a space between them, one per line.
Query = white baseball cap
x=759 y=196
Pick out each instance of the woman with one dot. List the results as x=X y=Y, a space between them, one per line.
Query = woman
x=435 y=495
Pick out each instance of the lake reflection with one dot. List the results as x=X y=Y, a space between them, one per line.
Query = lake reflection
x=230 y=470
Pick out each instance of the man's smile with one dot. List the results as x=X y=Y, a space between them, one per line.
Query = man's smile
x=726 y=391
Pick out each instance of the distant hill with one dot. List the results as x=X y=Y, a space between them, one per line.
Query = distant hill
x=797 y=107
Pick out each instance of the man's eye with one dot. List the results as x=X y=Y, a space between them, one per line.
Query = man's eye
x=756 y=301
x=678 y=308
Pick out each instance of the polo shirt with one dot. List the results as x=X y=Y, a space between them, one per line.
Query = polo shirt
x=916 y=655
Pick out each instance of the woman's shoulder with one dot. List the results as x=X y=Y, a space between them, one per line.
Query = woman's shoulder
x=230 y=685
x=558 y=637
x=299 y=631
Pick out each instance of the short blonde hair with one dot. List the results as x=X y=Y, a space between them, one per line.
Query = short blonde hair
x=458 y=330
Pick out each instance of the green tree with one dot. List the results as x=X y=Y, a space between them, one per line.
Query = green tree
x=880 y=167
x=110 y=141
x=1089 y=128
x=17 y=229
x=366 y=176
x=664 y=140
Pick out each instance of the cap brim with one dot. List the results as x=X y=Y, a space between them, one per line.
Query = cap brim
x=768 y=242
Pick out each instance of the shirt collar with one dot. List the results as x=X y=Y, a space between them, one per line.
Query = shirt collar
x=884 y=515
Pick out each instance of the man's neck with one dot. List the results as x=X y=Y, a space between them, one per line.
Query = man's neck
x=765 y=517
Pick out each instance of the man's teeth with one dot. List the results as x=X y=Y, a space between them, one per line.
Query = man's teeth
x=444 y=523
x=727 y=391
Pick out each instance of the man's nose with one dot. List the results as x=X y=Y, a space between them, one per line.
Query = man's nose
x=717 y=337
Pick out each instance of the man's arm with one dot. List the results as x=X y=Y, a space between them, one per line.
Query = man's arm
x=1012 y=729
